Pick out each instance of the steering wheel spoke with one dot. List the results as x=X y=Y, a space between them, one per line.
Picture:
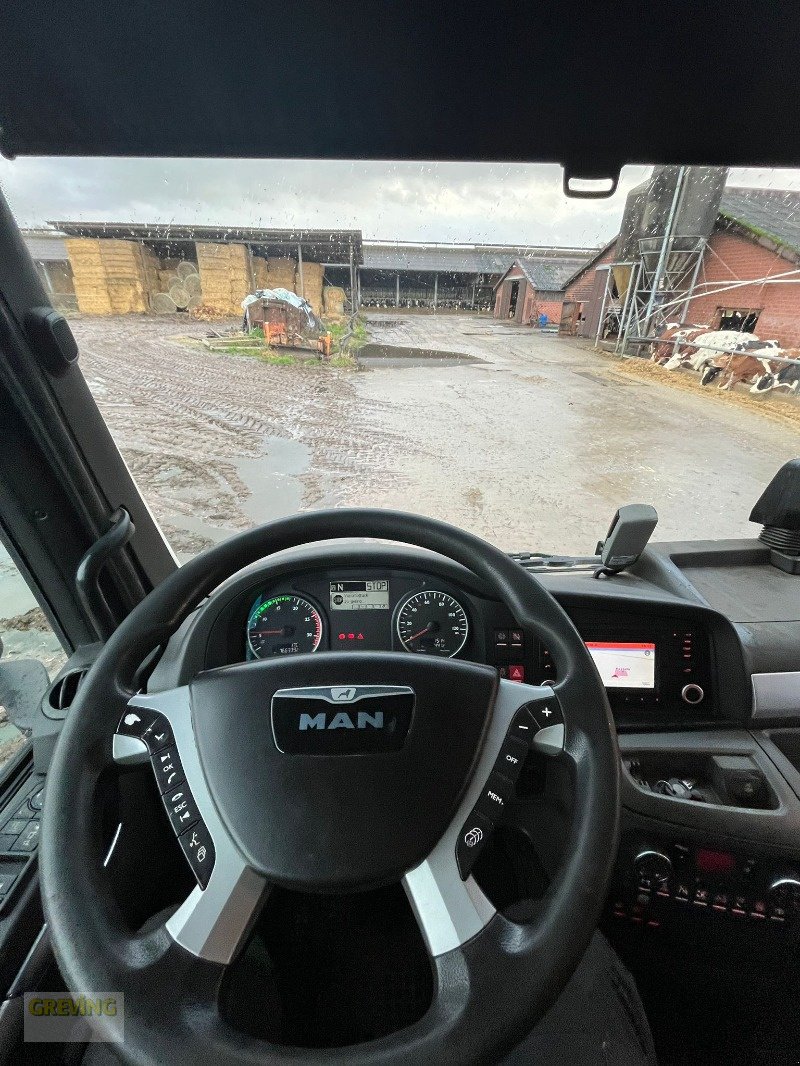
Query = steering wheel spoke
x=448 y=903
x=217 y=915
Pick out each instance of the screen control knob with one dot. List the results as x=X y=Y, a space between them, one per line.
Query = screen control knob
x=652 y=868
x=692 y=694
x=784 y=892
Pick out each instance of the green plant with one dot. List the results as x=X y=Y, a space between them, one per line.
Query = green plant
x=345 y=338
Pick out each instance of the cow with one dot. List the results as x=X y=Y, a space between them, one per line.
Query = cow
x=705 y=347
x=664 y=348
x=733 y=369
x=779 y=375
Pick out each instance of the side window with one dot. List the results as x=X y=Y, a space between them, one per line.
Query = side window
x=30 y=655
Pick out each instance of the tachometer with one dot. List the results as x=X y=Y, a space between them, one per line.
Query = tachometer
x=432 y=623
x=283 y=625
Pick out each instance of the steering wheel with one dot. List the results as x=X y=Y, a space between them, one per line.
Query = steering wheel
x=258 y=775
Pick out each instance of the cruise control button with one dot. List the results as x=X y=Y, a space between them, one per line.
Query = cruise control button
x=181 y=809
x=28 y=839
x=168 y=769
x=512 y=755
x=496 y=794
x=472 y=840
x=546 y=712
x=198 y=847
x=523 y=727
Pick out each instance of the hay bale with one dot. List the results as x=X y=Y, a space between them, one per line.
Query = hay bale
x=181 y=296
x=192 y=284
x=225 y=275
x=260 y=272
x=163 y=304
x=333 y=301
x=183 y=270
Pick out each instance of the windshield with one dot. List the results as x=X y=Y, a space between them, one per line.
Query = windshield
x=457 y=340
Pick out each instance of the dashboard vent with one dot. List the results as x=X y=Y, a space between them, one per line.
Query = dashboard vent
x=536 y=561
x=63 y=693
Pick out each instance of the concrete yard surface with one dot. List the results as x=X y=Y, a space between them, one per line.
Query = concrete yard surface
x=529 y=440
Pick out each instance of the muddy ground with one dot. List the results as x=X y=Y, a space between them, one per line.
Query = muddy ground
x=531 y=441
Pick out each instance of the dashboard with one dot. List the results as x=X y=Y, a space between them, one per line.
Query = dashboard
x=665 y=662
x=702 y=687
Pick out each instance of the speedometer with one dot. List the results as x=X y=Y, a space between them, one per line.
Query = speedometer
x=283 y=625
x=432 y=623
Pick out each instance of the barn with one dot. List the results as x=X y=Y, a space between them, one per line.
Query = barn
x=533 y=287
x=747 y=276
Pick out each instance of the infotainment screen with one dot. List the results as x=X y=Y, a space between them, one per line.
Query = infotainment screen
x=623 y=665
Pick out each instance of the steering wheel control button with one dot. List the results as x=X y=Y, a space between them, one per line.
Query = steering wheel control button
x=168 y=770
x=181 y=808
x=512 y=755
x=497 y=793
x=158 y=734
x=15 y=826
x=36 y=800
x=523 y=727
x=28 y=838
x=149 y=726
x=471 y=841
x=198 y=847
x=546 y=712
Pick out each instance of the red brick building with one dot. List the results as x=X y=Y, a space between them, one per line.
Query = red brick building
x=583 y=296
x=755 y=240
x=531 y=288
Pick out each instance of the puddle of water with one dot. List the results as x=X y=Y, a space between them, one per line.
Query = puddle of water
x=272 y=479
x=395 y=355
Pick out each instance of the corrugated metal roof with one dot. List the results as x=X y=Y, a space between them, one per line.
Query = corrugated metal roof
x=471 y=259
x=324 y=245
x=545 y=275
x=45 y=249
x=770 y=213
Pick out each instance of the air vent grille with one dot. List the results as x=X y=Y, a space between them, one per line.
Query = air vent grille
x=62 y=694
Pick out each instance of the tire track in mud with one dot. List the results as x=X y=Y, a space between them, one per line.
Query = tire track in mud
x=184 y=419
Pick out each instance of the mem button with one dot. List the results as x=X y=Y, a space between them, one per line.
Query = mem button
x=495 y=797
x=168 y=770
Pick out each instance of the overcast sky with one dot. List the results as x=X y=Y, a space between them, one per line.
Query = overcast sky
x=469 y=202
